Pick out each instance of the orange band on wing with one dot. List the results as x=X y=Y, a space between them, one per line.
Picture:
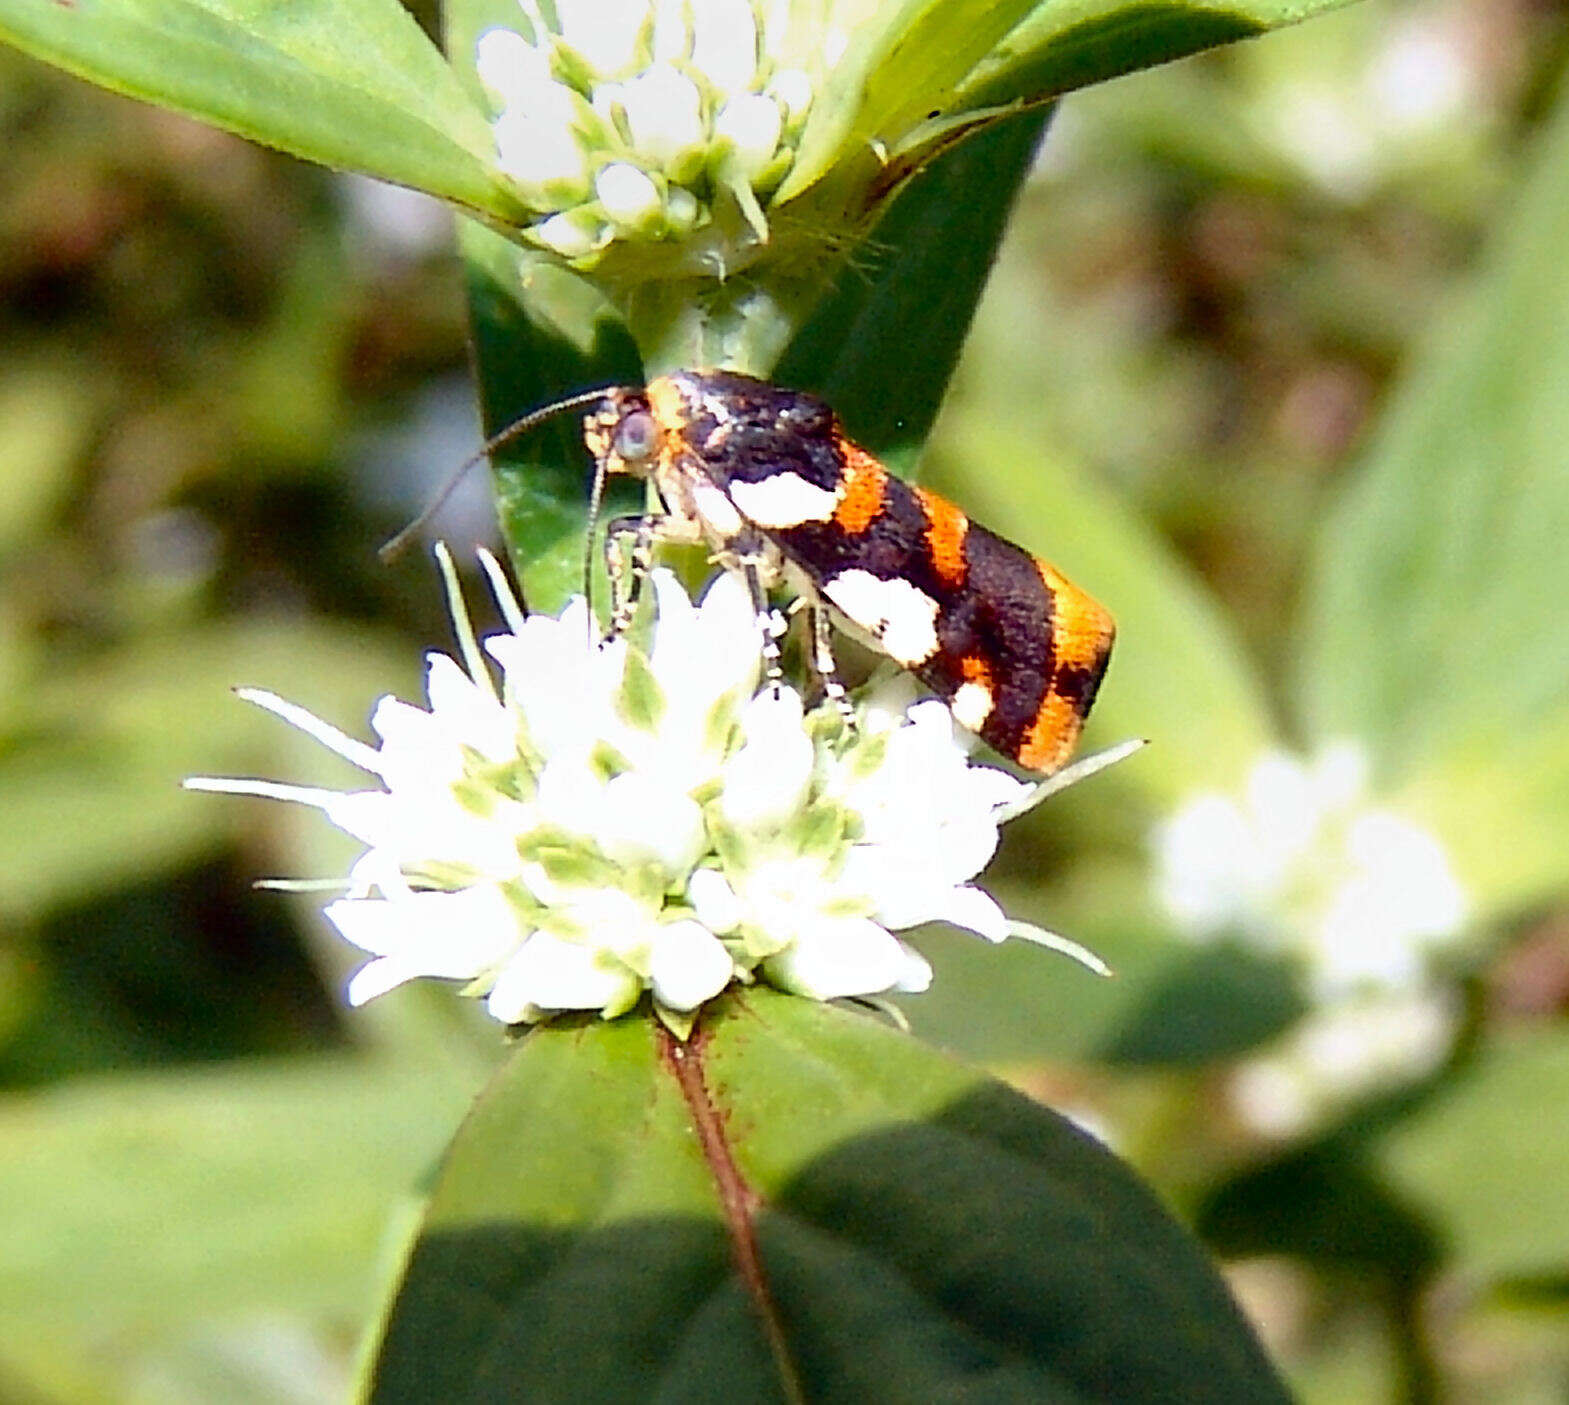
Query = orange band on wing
x=1081 y=635
x=861 y=492
x=1082 y=628
x=945 y=531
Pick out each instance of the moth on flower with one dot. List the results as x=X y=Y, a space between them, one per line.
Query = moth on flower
x=634 y=815
x=767 y=479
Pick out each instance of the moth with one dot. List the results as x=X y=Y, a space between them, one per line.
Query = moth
x=768 y=480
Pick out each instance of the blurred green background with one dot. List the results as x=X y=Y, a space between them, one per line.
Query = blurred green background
x=1276 y=362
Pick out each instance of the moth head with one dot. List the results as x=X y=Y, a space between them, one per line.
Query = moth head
x=623 y=435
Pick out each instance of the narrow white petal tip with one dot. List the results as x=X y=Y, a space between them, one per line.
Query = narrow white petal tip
x=1080 y=770
x=263 y=790
x=351 y=750
x=1027 y=931
x=507 y=602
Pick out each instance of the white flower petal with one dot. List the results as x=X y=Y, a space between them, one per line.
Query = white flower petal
x=628 y=196
x=672 y=33
x=751 y=124
x=571 y=795
x=724 y=43
x=470 y=711
x=643 y=821
x=690 y=965
x=574 y=235
x=539 y=149
x=664 y=114
x=973 y=910
x=508 y=65
x=604 y=32
x=377 y=977
x=715 y=901
x=551 y=974
x=916 y=973
x=766 y=781
x=792 y=88
x=838 y=957
x=454 y=935
x=562 y=685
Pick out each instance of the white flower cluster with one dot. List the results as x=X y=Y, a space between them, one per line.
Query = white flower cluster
x=1303 y=866
x=643 y=119
x=615 y=819
x=1363 y=899
x=1342 y=1053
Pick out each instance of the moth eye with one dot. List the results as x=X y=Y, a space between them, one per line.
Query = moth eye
x=636 y=436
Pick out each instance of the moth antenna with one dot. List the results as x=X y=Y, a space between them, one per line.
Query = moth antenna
x=395 y=546
x=596 y=504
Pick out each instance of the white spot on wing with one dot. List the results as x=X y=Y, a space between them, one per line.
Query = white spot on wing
x=783 y=500
x=972 y=705
x=900 y=616
x=718 y=513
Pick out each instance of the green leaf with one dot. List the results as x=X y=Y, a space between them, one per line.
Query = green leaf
x=350 y=83
x=881 y=347
x=1062 y=47
x=1435 y=608
x=558 y=339
x=919 y=74
x=147 y=1199
x=801 y=1205
x=1487 y=1159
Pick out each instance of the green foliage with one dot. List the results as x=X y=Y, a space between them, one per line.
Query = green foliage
x=918 y=1231
x=923 y=72
x=1144 y=406
x=350 y=83
x=236 y=1191
x=1485 y=1159
x=1436 y=631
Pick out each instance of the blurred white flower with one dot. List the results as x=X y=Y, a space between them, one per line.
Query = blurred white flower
x=634 y=816
x=1351 y=121
x=1302 y=865
x=644 y=120
x=1338 y=1056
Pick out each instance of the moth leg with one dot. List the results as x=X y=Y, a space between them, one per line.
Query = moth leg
x=627 y=570
x=824 y=665
x=770 y=621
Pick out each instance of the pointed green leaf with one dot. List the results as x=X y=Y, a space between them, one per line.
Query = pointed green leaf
x=1435 y=608
x=1436 y=627
x=350 y=83
x=918 y=74
x=803 y=1205
x=881 y=347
